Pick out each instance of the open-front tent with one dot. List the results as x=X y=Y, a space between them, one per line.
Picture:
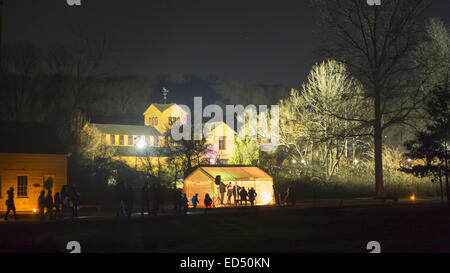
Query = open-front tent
x=202 y=180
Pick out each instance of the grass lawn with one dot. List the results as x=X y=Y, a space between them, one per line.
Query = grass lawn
x=402 y=227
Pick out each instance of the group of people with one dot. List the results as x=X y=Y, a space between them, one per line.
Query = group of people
x=151 y=199
x=49 y=206
x=240 y=194
x=59 y=204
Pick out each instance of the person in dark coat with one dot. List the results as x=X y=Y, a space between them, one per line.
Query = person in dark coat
x=145 y=201
x=222 y=190
x=251 y=196
x=41 y=204
x=57 y=204
x=10 y=206
x=243 y=194
x=207 y=201
x=49 y=204
x=129 y=201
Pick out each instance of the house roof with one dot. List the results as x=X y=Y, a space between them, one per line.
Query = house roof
x=122 y=129
x=29 y=138
x=149 y=151
x=162 y=107
x=230 y=173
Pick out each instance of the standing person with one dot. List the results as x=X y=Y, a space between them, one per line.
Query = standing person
x=74 y=196
x=195 y=200
x=251 y=196
x=222 y=189
x=49 y=204
x=229 y=192
x=120 y=198
x=238 y=194
x=243 y=195
x=129 y=200
x=10 y=204
x=41 y=204
x=207 y=201
x=234 y=195
x=57 y=204
x=185 y=203
x=145 y=202
x=64 y=200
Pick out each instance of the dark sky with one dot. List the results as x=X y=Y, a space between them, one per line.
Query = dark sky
x=258 y=41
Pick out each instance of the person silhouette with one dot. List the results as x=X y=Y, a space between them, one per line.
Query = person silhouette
x=49 y=204
x=251 y=196
x=243 y=194
x=207 y=201
x=10 y=206
x=195 y=200
x=120 y=198
x=41 y=204
x=57 y=204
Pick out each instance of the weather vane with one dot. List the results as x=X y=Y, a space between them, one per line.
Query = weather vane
x=165 y=92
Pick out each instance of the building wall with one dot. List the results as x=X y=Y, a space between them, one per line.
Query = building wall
x=35 y=167
x=222 y=131
x=163 y=117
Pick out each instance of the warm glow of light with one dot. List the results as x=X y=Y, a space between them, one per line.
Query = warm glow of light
x=140 y=144
x=294 y=161
x=356 y=161
x=409 y=159
x=34 y=210
x=266 y=197
x=303 y=161
x=413 y=197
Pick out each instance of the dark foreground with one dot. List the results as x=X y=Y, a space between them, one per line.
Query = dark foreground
x=403 y=227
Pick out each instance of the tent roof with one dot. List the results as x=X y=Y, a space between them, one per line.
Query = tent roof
x=230 y=173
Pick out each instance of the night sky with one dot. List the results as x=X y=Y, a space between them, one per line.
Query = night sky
x=264 y=41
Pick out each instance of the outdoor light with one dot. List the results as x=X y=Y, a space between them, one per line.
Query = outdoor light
x=303 y=161
x=140 y=144
x=34 y=210
x=356 y=161
x=409 y=159
x=413 y=197
x=294 y=161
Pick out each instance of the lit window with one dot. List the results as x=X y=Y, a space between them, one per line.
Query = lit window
x=112 y=139
x=222 y=145
x=130 y=140
x=121 y=139
x=22 y=185
x=103 y=139
x=156 y=141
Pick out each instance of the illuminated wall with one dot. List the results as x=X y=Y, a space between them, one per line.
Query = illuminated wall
x=36 y=168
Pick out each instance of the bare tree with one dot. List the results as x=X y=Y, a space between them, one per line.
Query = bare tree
x=377 y=42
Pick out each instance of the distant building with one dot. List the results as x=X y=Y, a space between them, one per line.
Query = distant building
x=129 y=140
x=30 y=155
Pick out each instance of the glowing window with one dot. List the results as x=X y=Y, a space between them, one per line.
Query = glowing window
x=121 y=139
x=22 y=185
x=112 y=139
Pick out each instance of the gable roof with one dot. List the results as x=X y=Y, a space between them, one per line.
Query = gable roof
x=162 y=107
x=230 y=173
x=29 y=138
x=122 y=129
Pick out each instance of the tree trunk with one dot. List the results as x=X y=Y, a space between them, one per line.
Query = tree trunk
x=379 y=187
x=446 y=177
